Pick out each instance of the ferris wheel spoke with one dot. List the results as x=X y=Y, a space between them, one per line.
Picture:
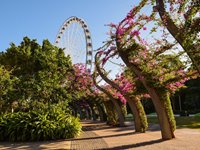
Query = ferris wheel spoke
x=75 y=35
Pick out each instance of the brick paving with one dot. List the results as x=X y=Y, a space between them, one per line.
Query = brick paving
x=88 y=141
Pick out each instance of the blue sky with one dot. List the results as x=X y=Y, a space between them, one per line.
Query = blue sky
x=41 y=19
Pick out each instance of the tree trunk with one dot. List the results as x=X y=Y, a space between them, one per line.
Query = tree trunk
x=100 y=113
x=102 y=109
x=165 y=114
x=90 y=113
x=163 y=109
x=93 y=114
x=112 y=119
x=161 y=103
x=140 y=118
x=87 y=113
x=119 y=112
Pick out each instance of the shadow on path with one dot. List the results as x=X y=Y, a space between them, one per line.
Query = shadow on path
x=90 y=140
x=107 y=136
x=134 y=145
x=42 y=145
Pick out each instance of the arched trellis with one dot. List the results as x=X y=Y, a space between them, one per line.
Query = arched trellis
x=62 y=37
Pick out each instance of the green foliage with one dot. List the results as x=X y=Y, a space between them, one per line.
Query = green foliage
x=5 y=81
x=37 y=126
x=6 y=86
x=197 y=115
x=41 y=72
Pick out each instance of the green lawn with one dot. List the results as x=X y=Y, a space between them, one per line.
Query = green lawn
x=187 y=122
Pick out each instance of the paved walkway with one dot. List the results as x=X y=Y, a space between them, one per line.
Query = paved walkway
x=121 y=138
x=97 y=135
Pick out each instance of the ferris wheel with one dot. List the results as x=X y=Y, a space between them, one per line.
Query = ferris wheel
x=75 y=38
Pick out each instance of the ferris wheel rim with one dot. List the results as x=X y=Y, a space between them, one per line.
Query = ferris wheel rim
x=87 y=34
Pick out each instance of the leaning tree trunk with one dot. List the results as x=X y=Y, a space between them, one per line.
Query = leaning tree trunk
x=93 y=112
x=100 y=111
x=163 y=109
x=118 y=109
x=161 y=102
x=112 y=116
x=140 y=118
x=165 y=114
x=119 y=112
x=101 y=106
x=90 y=113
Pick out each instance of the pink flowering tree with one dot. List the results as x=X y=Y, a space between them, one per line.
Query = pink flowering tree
x=84 y=85
x=84 y=93
x=159 y=72
x=125 y=90
x=82 y=79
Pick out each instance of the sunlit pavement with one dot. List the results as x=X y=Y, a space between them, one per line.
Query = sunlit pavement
x=98 y=135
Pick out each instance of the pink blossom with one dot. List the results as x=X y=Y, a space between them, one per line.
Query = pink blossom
x=181 y=72
x=121 y=97
x=101 y=52
x=135 y=33
x=158 y=42
x=141 y=77
x=146 y=95
x=120 y=31
x=136 y=60
x=144 y=28
x=130 y=14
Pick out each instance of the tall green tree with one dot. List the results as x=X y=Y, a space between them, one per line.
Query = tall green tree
x=41 y=71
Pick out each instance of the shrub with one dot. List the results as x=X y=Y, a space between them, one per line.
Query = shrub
x=197 y=115
x=34 y=126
